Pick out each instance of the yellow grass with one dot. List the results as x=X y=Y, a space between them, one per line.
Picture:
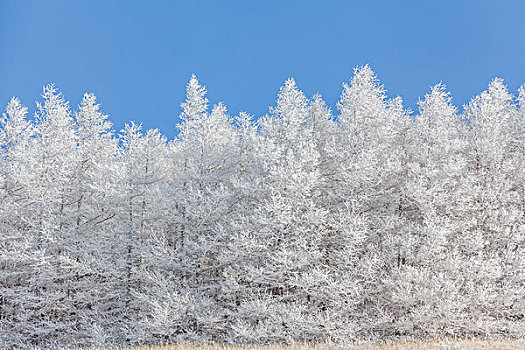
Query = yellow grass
x=408 y=345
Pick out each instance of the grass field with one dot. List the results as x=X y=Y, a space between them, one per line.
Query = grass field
x=408 y=345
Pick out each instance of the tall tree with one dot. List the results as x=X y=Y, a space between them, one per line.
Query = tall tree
x=491 y=231
x=52 y=309
x=93 y=236
x=16 y=260
x=424 y=289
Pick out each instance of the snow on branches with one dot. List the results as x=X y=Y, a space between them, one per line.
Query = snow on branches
x=301 y=225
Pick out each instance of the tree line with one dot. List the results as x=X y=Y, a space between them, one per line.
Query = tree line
x=302 y=225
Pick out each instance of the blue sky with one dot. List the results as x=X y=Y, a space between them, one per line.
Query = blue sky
x=137 y=56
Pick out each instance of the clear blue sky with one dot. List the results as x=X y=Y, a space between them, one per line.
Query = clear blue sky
x=137 y=56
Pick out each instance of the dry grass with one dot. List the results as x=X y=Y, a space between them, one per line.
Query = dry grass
x=408 y=345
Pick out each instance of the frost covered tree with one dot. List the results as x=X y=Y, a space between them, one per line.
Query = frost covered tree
x=16 y=260
x=301 y=225
x=277 y=255
x=48 y=175
x=202 y=200
x=143 y=219
x=368 y=179
x=426 y=286
x=15 y=132
x=492 y=201
x=61 y=217
x=95 y=217
x=295 y=261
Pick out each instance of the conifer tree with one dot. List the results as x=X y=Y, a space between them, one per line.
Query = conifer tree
x=302 y=225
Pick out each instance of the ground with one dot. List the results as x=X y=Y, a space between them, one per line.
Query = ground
x=408 y=345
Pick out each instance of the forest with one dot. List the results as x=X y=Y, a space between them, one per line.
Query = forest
x=370 y=221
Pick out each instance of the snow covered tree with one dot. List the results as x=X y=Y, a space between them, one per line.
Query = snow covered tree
x=58 y=213
x=16 y=260
x=301 y=225
x=424 y=291
x=143 y=219
x=49 y=172
x=368 y=178
x=15 y=132
x=290 y=271
x=491 y=200
x=202 y=197
x=95 y=221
